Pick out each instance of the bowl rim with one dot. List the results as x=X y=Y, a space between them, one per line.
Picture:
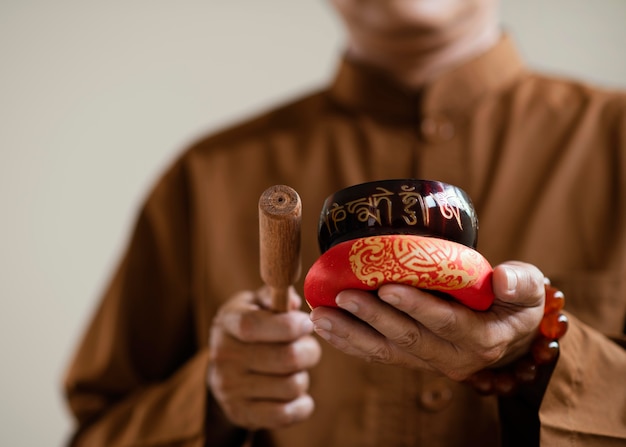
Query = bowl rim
x=346 y=195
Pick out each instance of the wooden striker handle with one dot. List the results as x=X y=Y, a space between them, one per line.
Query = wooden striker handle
x=280 y=215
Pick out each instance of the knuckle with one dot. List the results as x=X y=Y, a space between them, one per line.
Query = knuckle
x=429 y=356
x=408 y=340
x=303 y=381
x=313 y=352
x=235 y=410
x=216 y=340
x=222 y=384
x=279 y=415
x=246 y=328
x=301 y=354
x=491 y=356
x=491 y=346
x=293 y=326
x=219 y=354
x=299 y=383
x=447 y=325
x=458 y=375
x=460 y=370
x=290 y=358
x=373 y=318
x=379 y=354
x=297 y=410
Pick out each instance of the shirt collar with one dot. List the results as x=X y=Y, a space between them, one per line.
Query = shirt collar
x=361 y=87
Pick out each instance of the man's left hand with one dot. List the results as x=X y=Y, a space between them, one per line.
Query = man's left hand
x=412 y=328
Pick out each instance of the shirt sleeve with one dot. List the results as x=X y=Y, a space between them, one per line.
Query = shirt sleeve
x=585 y=402
x=139 y=374
x=168 y=413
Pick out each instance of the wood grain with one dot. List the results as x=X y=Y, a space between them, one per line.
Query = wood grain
x=280 y=216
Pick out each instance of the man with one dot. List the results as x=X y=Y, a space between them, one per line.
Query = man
x=428 y=89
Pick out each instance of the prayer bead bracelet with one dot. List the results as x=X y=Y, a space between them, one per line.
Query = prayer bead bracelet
x=543 y=351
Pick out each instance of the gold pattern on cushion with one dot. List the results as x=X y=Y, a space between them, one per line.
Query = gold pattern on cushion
x=428 y=263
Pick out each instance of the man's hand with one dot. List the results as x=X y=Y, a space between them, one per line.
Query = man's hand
x=412 y=328
x=259 y=361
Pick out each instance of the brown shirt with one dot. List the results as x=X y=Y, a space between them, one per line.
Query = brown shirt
x=544 y=161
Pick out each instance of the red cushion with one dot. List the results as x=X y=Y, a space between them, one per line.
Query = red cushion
x=424 y=262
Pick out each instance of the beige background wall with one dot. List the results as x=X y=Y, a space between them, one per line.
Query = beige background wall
x=96 y=97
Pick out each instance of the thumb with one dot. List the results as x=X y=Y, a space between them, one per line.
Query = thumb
x=519 y=283
x=264 y=297
x=295 y=300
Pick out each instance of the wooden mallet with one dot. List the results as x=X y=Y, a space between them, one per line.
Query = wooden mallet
x=280 y=216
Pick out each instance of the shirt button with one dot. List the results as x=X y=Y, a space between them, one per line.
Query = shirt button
x=435 y=397
x=437 y=129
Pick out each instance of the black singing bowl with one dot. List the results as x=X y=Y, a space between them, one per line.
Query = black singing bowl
x=398 y=206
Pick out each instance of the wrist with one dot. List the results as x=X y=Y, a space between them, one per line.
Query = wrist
x=543 y=353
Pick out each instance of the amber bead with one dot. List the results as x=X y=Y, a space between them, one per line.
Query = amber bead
x=544 y=351
x=555 y=300
x=553 y=325
x=504 y=383
x=525 y=370
x=483 y=381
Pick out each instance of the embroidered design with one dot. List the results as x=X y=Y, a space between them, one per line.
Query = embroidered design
x=427 y=263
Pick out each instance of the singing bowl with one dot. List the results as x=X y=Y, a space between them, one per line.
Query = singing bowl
x=398 y=206
x=424 y=262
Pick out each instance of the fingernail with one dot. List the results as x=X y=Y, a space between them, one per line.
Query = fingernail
x=322 y=324
x=348 y=305
x=389 y=298
x=322 y=333
x=511 y=279
x=307 y=325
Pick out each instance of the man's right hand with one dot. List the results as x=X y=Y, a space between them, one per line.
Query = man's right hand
x=260 y=359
